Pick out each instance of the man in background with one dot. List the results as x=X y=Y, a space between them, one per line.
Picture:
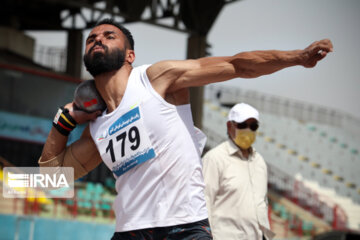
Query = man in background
x=236 y=181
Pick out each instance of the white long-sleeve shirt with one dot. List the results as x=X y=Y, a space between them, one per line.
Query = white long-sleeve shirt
x=236 y=190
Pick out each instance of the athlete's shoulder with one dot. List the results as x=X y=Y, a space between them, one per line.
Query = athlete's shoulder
x=141 y=68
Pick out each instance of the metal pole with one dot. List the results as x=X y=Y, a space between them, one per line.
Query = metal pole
x=74 y=50
x=196 y=48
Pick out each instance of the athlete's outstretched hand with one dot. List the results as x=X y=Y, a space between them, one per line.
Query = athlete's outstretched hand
x=315 y=52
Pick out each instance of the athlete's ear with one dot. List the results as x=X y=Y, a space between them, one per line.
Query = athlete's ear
x=130 y=56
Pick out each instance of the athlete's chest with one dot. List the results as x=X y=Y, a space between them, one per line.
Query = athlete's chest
x=123 y=139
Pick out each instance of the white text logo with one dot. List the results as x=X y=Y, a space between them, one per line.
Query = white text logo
x=37 y=180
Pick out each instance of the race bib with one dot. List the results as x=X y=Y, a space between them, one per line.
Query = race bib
x=126 y=144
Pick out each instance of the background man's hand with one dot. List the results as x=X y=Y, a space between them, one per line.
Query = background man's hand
x=80 y=116
x=315 y=52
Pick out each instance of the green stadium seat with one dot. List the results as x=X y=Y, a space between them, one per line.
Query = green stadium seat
x=284 y=214
x=84 y=199
x=110 y=183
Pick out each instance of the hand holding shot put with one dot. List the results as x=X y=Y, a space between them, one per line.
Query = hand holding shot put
x=87 y=104
x=144 y=138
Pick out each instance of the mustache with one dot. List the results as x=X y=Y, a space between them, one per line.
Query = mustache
x=98 y=44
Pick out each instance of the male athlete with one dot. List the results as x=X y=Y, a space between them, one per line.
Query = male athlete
x=143 y=137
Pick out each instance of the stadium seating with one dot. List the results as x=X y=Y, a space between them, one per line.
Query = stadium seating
x=292 y=138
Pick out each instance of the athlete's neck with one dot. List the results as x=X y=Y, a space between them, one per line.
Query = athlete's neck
x=112 y=86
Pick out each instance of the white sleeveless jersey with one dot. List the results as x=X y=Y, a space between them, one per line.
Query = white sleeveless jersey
x=151 y=149
x=197 y=135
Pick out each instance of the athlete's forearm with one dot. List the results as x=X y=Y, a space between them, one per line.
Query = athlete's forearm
x=257 y=63
x=82 y=155
x=56 y=154
x=54 y=145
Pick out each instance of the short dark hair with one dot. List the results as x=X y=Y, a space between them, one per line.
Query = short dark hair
x=123 y=29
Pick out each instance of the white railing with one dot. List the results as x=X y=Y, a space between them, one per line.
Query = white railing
x=51 y=57
x=285 y=107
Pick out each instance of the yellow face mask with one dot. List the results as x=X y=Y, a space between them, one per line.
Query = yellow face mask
x=244 y=138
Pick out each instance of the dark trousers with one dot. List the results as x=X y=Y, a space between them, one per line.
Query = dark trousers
x=191 y=231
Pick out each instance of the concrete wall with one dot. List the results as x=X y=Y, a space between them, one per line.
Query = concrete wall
x=32 y=94
x=17 y=42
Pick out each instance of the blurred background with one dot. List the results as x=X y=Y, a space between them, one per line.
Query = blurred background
x=309 y=133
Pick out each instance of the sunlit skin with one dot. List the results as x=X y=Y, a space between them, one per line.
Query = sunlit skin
x=231 y=129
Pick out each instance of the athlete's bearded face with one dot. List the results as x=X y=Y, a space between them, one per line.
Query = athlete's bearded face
x=99 y=62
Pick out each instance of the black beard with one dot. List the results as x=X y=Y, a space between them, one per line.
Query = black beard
x=100 y=62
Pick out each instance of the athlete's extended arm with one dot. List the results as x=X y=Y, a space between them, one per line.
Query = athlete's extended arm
x=171 y=76
x=82 y=155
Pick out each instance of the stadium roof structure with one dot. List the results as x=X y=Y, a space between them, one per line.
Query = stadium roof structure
x=188 y=15
x=193 y=17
